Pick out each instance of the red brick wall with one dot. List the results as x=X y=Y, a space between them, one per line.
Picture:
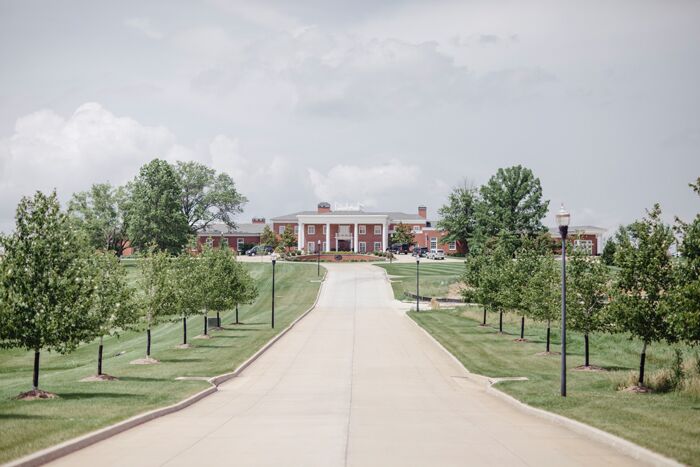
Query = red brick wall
x=232 y=240
x=423 y=240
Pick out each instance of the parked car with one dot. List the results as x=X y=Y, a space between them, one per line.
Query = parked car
x=420 y=251
x=260 y=250
x=436 y=254
x=399 y=248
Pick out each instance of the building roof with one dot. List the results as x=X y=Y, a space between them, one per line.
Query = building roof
x=393 y=215
x=579 y=229
x=223 y=229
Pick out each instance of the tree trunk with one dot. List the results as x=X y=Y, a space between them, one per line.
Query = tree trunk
x=549 y=331
x=641 y=364
x=35 y=379
x=206 y=325
x=99 y=358
x=184 y=330
x=237 y=313
x=500 y=322
x=522 y=327
x=585 y=341
x=484 y=323
x=218 y=320
x=148 y=343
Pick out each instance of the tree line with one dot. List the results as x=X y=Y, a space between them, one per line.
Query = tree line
x=649 y=294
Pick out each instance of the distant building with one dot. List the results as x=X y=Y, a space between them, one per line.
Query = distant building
x=585 y=237
x=218 y=234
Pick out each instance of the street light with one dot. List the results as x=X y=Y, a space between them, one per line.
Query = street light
x=563 y=218
x=274 y=261
x=417 y=283
x=318 y=259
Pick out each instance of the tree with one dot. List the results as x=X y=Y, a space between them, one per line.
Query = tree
x=403 y=235
x=484 y=281
x=458 y=215
x=45 y=283
x=645 y=277
x=288 y=239
x=244 y=288
x=99 y=214
x=268 y=237
x=608 y=255
x=160 y=294
x=154 y=214
x=685 y=315
x=511 y=206
x=188 y=277
x=207 y=196
x=113 y=306
x=588 y=292
x=542 y=295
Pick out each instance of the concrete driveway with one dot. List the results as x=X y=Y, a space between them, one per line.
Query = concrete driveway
x=355 y=383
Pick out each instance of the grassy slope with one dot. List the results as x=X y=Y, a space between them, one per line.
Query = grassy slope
x=83 y=407
x=435 y=277
x=666 y=423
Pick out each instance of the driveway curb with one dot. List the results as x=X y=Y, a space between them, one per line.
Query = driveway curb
x=627 y=447
x=67 y=447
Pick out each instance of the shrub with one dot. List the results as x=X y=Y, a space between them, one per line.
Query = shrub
x=661 y=380
x=691 y=387
x=677 y=373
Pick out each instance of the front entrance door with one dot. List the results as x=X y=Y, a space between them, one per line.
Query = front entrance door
x=343 y=245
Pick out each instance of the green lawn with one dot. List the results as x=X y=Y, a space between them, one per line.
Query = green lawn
x=435 y=277
x=27 y=426
x=667 y=423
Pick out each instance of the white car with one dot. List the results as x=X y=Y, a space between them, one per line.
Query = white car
x=436 y=254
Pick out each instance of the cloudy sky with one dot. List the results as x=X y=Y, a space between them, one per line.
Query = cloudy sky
x=388 y=104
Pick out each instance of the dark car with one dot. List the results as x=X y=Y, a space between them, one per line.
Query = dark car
x=421 y=251
x=399 y=248
x=260 y=250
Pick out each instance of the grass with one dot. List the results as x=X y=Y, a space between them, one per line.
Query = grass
x=28 y=426
x=668 y=423
x=435 y=278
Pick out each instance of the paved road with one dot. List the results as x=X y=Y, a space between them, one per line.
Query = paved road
x=355 y=383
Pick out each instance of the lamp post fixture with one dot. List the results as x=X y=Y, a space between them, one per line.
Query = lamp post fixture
x=274 y=261
x=417 y=283
x=318 y=260
x=563 y=218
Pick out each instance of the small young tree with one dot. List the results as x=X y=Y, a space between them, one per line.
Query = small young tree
x=268 y=237
x=517 y=274
x=288 y=239
x=159 y=297
x=45 y=283
x=187 y=280
x=645 y=277
x=244 y=288
x=542 y=296
x=484 y=280
x=403 y=235
x=113 y=308
x=608 y=255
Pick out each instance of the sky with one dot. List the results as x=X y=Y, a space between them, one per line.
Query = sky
x=388 y=105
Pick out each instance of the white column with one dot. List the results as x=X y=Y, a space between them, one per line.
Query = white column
x=385 y=236
x=300 y=236
x=328 y=236
x=354 y=239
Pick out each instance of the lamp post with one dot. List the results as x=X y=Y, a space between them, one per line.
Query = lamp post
x=563 y=218
x=318 y=259
x=274 y=261
x=417 y=283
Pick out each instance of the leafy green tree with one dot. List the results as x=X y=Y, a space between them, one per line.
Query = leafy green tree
x=244 y=289
x=45 y=283
x=113 y=307
x=268 y=237
x=188 y=277
x=403 y=235
x=206 y=196
x=608 y=255
x=645 y=277
x=99 y=214
x=511 y=206
x=542 y=295
x=159 y=293
x=485 y=283
x=458 y=217
x=588 y=293
x=685 y=314
x=288 y=239
x=154 y=214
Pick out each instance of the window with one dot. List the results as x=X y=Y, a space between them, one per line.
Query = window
x=224 y=242
x=296 y=230
x=452 y=246
x=281 y=229
x=433 y=243
x=210 y=241
x=584 y=245
x=311 y=247
x=363 y=229
x=324 y=229
x=416 y=228
x=239 y=243
x=324 y=247
x=311 y=229
x=363 y=247
x=377 y=246
x=344 y=230
x=377 y=230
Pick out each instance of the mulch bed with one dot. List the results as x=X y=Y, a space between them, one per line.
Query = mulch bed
x=545 y=354
x=144 y=361
x=520 y=340
x=203 y=336
x=589 y=368
x=36 y=394
x=102 y=377
x=183 y=346
x=638 y=389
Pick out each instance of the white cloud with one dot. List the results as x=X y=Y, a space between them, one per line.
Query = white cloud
x=144 y=26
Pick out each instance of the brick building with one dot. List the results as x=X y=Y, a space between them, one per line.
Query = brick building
x=216 y=234
x=585 y=237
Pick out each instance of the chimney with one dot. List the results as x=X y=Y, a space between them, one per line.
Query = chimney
x=258 y=220
x=423 y=212
x=324 y=207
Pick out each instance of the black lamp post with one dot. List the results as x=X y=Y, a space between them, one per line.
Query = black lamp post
x=318 y=259
x=274 y=261
x=563 y=218
x=417 y=283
